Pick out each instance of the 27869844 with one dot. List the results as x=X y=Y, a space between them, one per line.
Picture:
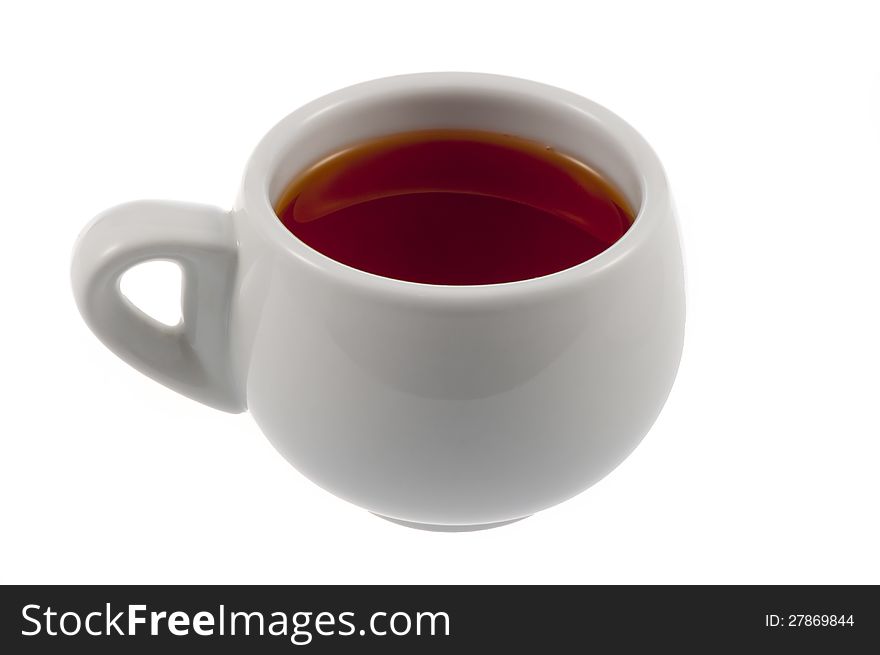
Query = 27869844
x=808 y=620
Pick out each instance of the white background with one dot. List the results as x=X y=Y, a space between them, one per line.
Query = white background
x=763 y=466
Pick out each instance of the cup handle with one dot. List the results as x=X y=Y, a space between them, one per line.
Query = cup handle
x=192 y=357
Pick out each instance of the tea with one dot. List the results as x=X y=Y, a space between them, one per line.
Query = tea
x=454 y=207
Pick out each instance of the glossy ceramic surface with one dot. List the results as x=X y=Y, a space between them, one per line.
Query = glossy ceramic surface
x=447 y=406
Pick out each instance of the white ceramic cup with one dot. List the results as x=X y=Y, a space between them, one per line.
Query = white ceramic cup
x=444 y=407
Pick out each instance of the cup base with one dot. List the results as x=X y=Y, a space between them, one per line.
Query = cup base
x=449 y=528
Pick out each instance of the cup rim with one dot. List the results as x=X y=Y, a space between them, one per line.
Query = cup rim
x=256 y=202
